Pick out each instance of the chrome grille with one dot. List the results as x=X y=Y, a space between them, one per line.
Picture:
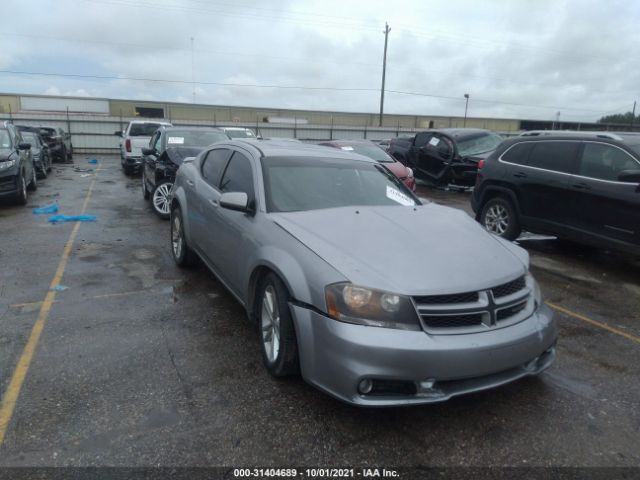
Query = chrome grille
x=509 y=288
x=469 y=312
x=454 y=298
x=449 y=321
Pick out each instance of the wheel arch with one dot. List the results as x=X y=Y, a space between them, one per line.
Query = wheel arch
x=492 y=191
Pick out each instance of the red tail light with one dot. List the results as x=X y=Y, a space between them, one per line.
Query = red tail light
x=481 y=164
x=127 y=145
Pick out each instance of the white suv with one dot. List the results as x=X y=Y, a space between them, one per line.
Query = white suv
x=134 y=138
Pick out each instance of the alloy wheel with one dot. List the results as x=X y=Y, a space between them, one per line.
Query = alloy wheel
x=161 y=200
x=496 y=220
x=270 y=323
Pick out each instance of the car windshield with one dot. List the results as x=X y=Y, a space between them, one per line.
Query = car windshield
x=300 y=184
x=194 y=138
x=5 y=141
x=372 y=151
x=48 y=132
x=31 y=138
x=482 y=143
x=143 y=129
x=240 y=133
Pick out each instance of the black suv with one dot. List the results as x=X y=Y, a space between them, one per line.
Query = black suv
x=577 y=187
x=17 y=171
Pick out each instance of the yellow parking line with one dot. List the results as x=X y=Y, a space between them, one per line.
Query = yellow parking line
x=598 y=324
x=19 y=374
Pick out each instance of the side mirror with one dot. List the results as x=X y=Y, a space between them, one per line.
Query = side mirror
x=118 y=133
x=24 y=146
x=148 y=151
x=237 y=201
x=629 y=176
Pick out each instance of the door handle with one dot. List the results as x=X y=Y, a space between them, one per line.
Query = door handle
x=520 y=175
x=213 y=202
x=190 y=183
x=581 y=186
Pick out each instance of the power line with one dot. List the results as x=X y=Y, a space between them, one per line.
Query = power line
x=285 y=87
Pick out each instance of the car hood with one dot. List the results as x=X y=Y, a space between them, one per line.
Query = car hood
x=422 y=250
x=177 y=154
x=398 y=169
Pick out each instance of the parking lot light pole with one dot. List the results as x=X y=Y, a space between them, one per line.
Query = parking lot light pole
x=466 y=106
x=384 y=70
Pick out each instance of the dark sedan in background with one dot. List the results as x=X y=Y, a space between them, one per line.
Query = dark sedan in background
x=369 y=149
x=39 y=152
x=59 y=143
x=168 y=147
x=445 y=156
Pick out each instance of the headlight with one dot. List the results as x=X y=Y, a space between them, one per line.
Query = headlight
x=7 y=164
x=537 y=293
x=364 y=306
x=409 y=173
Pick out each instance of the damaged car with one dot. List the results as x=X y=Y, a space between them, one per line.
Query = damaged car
x=301 y=235
x=168 y=147
x=445 y=156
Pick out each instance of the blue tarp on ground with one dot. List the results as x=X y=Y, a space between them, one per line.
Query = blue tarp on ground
x=93 y=161
x=72 y=218
x=52 y=208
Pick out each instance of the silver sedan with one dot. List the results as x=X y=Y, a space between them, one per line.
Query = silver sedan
x=371 y=294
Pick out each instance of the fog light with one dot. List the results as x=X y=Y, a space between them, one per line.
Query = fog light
x=365 y=386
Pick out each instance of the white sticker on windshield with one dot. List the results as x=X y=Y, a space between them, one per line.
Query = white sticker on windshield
x=399 y=197
x=347 y=147
x=434 y=141
x=176 y=140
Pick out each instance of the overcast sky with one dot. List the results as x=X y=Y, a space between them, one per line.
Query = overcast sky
x=516 y=59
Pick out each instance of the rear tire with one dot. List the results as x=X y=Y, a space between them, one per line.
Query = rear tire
x=33 y=184
x=70 y=154
x=500 y=218
x=278 y=340
x=182 y=254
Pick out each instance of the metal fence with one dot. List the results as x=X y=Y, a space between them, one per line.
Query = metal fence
x=95 y=133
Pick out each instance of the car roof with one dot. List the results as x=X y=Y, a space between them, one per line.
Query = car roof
x=460 y=132
x=573 y=133
x=284 y=148
x=368 y=143
x=235 y=128
x=170 y=128
x=161 y=122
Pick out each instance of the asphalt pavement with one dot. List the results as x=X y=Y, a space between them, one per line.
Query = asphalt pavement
x=137 y=363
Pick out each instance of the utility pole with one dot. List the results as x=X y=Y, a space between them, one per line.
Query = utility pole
x=633 y=115
x=466 y=106
x=384 y=70
x=193 y=77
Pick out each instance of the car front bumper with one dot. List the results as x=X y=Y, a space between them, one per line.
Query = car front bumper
x=8 y=182
x=336 y=356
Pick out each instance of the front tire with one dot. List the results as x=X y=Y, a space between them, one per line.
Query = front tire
x=161 y=199
x=277 y=332
x=182 y=254
x=499 y=217
x=145 y=191
x=70 y=154
x=21 y=196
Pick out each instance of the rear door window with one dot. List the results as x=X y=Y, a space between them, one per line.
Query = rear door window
x=518 y=153
x=605 y=162
x=557 y=156
x=214 y=164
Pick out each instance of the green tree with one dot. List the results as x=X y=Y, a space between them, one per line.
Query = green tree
x=624 y=118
